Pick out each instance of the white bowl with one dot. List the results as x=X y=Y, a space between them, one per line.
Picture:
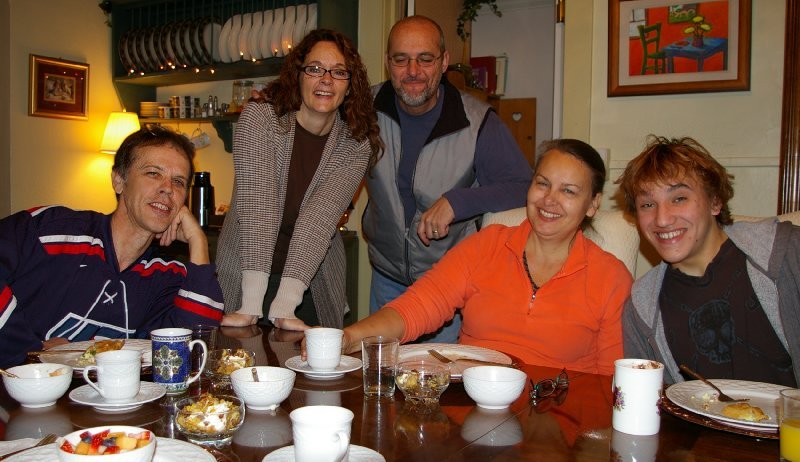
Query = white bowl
x=494 y=387
x=273 y=386
x=35 y=387
x=143 y=454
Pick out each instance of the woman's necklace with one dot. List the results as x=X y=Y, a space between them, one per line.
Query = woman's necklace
x=534 y=287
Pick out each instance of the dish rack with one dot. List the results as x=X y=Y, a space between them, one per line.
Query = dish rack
x=157 y=43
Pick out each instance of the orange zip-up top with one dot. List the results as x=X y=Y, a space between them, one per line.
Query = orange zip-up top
x=573 y=322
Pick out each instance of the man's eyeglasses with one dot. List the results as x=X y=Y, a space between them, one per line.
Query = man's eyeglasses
x=544 y=388
x=317 y=71
x=423 y=60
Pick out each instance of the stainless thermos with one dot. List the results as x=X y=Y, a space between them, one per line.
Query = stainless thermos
x=201 y=201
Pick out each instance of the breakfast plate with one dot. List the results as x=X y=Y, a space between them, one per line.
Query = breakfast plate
x=243 y=41
x=300 y=24
x=265 y=36
x=167 y=450
x=222 y=42
x=453 y=351
x=211 y=33
x=275 y=35
x=347 y=364
x=255 y=32
x=696 y=396
x=289 y=17
x=70 y=358
x=311 y=23
x=233 y=39
x=356 y=454
x=148 y=391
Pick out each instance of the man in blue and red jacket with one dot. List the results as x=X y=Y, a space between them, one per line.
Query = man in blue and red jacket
x=69 y=275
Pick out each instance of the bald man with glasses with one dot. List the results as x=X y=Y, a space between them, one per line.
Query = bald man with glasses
x=448 y=159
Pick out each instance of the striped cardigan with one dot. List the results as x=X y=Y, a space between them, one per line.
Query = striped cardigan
x=262 y=150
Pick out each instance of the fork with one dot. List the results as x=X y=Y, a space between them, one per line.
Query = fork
x=50 y=438
x=447 y=360
x=722 y=396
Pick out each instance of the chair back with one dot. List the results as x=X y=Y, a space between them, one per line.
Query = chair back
x=610 y=230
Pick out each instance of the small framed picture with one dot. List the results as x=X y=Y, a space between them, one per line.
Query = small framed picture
x=58 y=88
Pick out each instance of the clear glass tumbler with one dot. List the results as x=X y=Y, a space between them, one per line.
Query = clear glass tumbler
x=790 y=425
x=379 y=356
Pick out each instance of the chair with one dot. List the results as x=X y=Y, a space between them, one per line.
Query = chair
x=651 y=49
x=610 y=230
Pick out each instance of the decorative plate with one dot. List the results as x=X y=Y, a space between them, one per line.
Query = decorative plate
x=696 y=396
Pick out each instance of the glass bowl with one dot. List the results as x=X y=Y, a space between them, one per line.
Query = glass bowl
x=221 y=363
x=209 y=419
x=422 y=382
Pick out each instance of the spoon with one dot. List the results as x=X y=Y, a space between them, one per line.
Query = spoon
x=722 y=396
x=255 y=374
x=8 y=374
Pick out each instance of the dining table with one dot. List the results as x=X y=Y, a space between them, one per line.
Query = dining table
x=573 y=424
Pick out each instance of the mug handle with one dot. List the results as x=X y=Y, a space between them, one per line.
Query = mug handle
x=92 y=384
x=344 y=445
x=202 y=364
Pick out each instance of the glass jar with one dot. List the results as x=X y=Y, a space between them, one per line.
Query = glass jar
x=241 y=93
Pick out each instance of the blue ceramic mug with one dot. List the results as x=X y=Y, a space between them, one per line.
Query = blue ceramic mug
x=172 y=358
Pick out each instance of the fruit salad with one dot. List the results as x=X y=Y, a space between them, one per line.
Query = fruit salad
x=105 y=443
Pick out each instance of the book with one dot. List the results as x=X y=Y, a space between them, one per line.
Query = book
x=489 y=63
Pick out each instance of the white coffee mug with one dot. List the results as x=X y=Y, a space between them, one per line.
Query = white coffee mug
x=637 y=389
x=117 y=375
x=321 y=433
x=324 y=348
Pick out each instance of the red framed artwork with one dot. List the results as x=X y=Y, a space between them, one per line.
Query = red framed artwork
x=658 y=47
x=58 y=88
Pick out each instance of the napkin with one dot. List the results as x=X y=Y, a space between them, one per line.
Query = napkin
x=16 y=445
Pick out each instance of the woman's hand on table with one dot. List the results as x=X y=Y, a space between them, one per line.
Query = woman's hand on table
x=238 y=320
x=290 y=324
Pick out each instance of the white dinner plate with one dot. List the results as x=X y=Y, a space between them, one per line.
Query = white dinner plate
x=696 y=396
x=311 y=23
x=167 y=450
x=255 y=32
x=453 y=351
x=233 y=40
x=277 y=28
x=222 y=44
x=266 y=35
x=70 y=358
x=357 y=454
x=347 y=364
x=300 y=24
x=148 y=391
x=289 y=17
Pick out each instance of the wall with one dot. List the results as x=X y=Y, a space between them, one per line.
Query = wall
x=741 y=129
x=5 y=126
x=56 y=160
x=525 y=32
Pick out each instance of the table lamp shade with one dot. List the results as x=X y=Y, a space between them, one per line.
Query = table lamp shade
x=118 y=127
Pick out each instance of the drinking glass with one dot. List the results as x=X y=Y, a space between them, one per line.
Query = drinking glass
x=790 y=425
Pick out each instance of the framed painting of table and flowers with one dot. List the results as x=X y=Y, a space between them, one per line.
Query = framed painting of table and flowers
x=658 y=47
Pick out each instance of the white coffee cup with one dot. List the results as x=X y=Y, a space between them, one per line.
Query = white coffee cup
x=637 y=389
x=321 y=433
x=117 y=375
x=324 y=348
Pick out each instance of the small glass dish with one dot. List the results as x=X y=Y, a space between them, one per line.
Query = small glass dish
x=209 y=419
x=422 y=382
x=221 y=363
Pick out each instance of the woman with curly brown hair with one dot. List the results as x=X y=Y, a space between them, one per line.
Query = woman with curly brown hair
x=299 y=154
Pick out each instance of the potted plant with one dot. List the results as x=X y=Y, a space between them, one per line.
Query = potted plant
x=469 y=12
x=698 y=28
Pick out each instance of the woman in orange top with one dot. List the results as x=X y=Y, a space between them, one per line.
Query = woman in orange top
x=540 y=291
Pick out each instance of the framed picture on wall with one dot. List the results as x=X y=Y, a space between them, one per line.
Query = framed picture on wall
x=58 y=88
x=680 y=47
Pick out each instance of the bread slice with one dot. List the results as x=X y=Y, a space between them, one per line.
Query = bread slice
x=744 y=411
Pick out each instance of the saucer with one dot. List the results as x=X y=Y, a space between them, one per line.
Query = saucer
x=148 y=391
x=357 y=454
x=346 y=364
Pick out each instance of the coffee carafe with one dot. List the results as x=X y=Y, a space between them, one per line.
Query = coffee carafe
x=201 y=201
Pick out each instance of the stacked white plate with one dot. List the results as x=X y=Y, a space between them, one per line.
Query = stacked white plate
x=149 y=108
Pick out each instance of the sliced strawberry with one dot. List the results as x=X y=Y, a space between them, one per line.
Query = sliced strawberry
x=67 y=447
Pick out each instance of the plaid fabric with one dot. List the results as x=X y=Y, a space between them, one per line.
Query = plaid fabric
x=261 y=154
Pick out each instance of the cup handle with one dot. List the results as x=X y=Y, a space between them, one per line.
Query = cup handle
x=92 y=384
x=202 y=364
x=344 y=445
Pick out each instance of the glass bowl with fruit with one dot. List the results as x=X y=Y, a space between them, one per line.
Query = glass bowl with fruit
x=209 y=419
x=422 y=382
